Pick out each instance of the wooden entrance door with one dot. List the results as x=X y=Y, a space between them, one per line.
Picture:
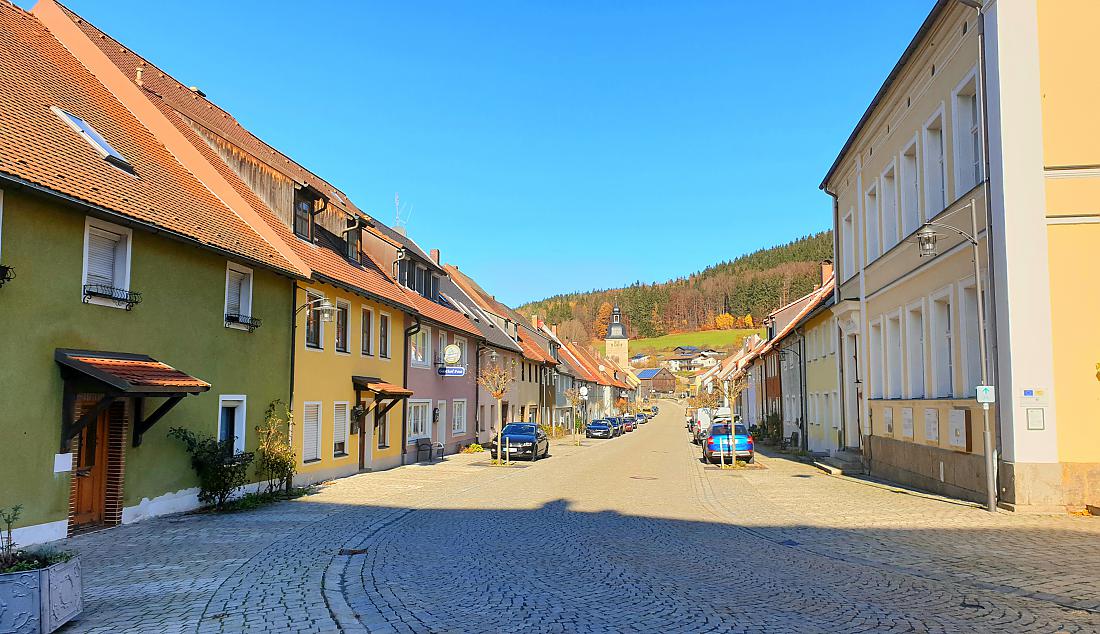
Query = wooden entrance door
x=90 y=491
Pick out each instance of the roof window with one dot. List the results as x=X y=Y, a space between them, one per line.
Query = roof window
x=98 y=143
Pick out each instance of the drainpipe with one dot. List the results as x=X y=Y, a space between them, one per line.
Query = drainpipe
x=802 y=389
x=293 y=343
x=409 y=332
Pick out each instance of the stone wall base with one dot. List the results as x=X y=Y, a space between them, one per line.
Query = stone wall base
x=951 y=473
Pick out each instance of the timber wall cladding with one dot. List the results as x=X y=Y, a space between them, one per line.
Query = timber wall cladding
x=117 y=428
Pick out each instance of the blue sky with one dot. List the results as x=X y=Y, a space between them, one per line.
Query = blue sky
x=550 y=146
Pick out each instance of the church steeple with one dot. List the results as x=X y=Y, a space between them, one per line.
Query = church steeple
x=616 y=329
x=616 y=343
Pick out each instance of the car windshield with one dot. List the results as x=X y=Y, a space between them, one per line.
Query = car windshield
x=598 y=423
x=724 y=430
x=518 y=428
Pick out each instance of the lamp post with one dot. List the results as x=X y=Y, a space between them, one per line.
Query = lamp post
x=926 y=245
x=328 y=309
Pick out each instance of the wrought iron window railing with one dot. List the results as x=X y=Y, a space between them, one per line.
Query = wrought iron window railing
x=7 y=274
x=249 y=322
x=121 y=297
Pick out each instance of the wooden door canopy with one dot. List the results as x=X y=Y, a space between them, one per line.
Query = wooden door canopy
x=118 y=375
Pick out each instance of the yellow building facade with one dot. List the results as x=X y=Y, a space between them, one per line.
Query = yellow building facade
x=823 y=422
x=334 y=363
x=1007 y=153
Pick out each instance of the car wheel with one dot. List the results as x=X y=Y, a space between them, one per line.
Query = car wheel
x=751 y=459
x=534 y=453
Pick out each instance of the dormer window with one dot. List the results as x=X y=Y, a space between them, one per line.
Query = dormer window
x=303 y=214
x=94 y=139
x=353 y=245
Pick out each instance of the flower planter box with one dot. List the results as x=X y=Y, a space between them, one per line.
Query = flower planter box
x=40 y=601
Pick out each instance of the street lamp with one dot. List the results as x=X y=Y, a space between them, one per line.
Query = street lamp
x=327 y=308
x=926 y=245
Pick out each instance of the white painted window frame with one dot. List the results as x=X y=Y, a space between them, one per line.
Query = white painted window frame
x=933 y=209
x=426 y=332
x=910 y=393
x=346 y=305
x=320 y=431
x=947 y=292
x=957 y=132
x=848 y=239
x=246 y=303
x=902 y=177
x=967 y=320
x=388 y=348
x=128 y=237
x=870 y=255
x=878 y=379
x=366 y=314
x=413 y=436
x=891 y=168
x=888 y=363
x=347 y=430
x=455 y=407
x=240 y=418
x=311 y=296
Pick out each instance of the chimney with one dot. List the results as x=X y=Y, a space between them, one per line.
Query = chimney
x=554 y=329
x=535 y=321
x=399 y=230
x=434 y=253
x=826 y=271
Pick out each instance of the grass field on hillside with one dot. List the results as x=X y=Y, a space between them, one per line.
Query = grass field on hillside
x=717 y=339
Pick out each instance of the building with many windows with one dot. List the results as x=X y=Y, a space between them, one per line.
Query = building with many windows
x=953 y=155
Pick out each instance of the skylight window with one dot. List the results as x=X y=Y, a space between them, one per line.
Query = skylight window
x=89 y=134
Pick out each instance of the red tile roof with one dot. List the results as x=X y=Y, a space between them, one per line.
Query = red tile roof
x=36 y=146
x=441 y=314
x=130 y=372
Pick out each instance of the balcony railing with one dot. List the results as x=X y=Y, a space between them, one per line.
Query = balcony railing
x=120 y=297
x=248 y=322
x=7 y=274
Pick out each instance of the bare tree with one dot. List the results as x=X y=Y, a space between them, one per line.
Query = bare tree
x=573 y=396
x=496 y=379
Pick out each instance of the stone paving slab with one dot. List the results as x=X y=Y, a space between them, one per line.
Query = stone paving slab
x=626 y=535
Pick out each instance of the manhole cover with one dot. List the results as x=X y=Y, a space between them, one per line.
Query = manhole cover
x=353 y=551
x=642 y=478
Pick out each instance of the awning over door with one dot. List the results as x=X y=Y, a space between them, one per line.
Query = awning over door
x=386 y=395
x=119 y=375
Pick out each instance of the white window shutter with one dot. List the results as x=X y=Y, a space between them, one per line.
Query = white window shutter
x=102 y=252
x=235 y=290
x=311 y=430
x=340 y=423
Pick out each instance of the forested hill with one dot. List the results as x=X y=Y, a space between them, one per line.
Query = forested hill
x=736 y=293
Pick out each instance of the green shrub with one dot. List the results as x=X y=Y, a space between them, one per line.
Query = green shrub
x=221 y=469
x=276 y=462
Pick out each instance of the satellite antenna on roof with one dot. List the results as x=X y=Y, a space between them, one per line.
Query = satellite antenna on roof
x=400 y=224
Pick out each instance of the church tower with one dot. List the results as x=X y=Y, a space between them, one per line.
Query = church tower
x=616 y=342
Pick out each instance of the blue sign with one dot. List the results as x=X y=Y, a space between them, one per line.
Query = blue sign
x=452 y=370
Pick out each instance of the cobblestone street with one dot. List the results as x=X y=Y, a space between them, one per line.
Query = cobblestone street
x=632 y=534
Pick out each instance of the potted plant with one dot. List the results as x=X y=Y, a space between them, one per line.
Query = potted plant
x=40 y=590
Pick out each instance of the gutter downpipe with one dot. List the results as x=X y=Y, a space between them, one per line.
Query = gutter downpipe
x=409 y=332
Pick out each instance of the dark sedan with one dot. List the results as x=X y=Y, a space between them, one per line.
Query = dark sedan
x=616 y=425
x=599 y=429
x=522 y=439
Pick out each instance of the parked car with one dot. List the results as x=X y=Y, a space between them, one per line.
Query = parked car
x=521 y=439
x=717 y=444
x=641 y=418
x=616 y=424
x=599 y=429
x=654 y=410
x=628 y=424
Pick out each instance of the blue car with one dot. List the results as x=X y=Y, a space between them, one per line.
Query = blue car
x=616 y=425
x=716 y=446
x=599 y=429
x=641 y=418
x=522 y=439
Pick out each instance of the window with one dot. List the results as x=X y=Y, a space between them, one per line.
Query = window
x=870 y=212
x=231 y=420
x=461 y=343
x=442 y=345
x=353 y=245
x=238 y=293
x=410 y=275
x=914 y=343
x=311 y=431
x=935 y=175
x=421 y=348
x=848 y=243
x=303 y=214
x=968 y=139
x=341 y=326
x=420 y=275
x=93 y=138
x=481 y=418
x=433 y=291
x=314 y=325
x=892 y=356
x=340 y=425
x=910 y=199
x=889 y=205
x=875 y=359
x=106 y=262
x=368 y=331
x=419 y=413
x=971 y=348
x=384 y=431
x=941 y=343
x=383 y=335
